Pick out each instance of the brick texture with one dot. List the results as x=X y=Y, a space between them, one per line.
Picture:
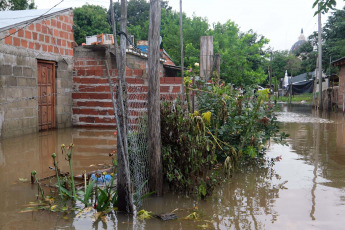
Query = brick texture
x=45 y=36
x=92 y=104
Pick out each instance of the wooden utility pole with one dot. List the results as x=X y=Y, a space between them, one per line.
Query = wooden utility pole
x=217 y=63
x=291 y=87
x=154 y=122
x=206 y=57
x=125 y=198
x=182 y=55
x=320 y=61
x=270 y=70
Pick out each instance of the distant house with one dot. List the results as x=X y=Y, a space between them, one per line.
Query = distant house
x=36 y=64
x=303 y=83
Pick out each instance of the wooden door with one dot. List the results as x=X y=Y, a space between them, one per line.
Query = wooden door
x=46 y=93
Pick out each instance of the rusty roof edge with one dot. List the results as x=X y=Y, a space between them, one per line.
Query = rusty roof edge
x=339 y=61
x=42 y=17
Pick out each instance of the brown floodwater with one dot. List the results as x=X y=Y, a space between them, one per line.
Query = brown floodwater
x=305 y=189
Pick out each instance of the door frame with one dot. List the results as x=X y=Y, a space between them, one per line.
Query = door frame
x=53 y=96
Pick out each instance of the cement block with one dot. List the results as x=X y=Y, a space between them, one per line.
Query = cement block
x=27 y=72
x=21 y=81
x=58 y=83
x=29 y=112
x=31 y=82
x=20 y=60
x=32 y=103
x=62 y=65
x=17 y=71
x=15 y=93
x=13 y=124
x=33 y=122
x=27 y=92
x=2 y=81
x=11 y=81
x=59 y=110
x=9 y=59
x=6 y=70
x=18 y=113
x=26 y=122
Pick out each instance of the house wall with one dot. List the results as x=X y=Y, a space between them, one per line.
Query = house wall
x=51 y=40
x=341 y=90
x=92 y=104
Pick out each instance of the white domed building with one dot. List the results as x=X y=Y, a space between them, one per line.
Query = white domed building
x=299 y=43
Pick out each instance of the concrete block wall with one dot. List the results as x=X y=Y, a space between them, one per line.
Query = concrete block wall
x=51 y=40
x=92 y=104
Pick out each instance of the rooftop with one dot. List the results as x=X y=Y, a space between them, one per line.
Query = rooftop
x=12 y=18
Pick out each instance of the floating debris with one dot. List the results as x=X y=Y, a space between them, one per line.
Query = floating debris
x=167 y=216
x=192 y=216
x=144 y=215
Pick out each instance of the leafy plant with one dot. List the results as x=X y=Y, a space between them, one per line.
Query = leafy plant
x=186 y=149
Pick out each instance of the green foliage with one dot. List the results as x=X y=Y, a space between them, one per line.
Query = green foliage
x=242 y=125
x=17 y=5
x=85 y=196
x=243 y=55
x=186 y=149
x=306 y=98
x=324 y=6
x=90 y=20
x=333 y=45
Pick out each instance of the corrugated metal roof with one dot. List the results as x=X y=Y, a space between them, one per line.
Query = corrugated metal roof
x=12 y=18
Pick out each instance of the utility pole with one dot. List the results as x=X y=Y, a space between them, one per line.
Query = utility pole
x=123 y=177
x=182 y=56
x=270 y=76
x=270 y=70
x=154 y=121
x=320 y=60
x=291 y=87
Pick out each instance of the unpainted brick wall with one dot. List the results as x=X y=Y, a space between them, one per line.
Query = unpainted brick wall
x=92 y=104
x=53 y=35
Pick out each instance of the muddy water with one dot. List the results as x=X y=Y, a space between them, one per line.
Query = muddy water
x=304 y=189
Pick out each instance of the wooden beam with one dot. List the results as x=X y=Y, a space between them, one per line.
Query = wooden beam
x=154 y=127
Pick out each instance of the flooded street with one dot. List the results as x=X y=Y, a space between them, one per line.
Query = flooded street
x=304 y=189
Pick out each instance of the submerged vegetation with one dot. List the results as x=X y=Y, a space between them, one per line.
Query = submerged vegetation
x=225 y=129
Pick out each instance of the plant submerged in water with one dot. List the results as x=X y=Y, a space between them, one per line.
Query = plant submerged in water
x=231 y=128
x=186 y=149
x=68 y=152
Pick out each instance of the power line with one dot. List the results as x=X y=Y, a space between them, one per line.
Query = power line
x=32 y=21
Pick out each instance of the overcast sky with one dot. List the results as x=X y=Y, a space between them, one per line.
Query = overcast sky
x=280 y=21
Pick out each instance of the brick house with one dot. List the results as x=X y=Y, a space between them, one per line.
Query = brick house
x=92 y=105
x=36 y=65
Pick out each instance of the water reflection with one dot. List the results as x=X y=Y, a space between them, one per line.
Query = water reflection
x=305 y=190
x=19 y=156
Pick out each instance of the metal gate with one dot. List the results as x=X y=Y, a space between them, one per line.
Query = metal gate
x=46 y=93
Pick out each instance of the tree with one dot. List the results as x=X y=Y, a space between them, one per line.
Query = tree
x=279 y=62
x=17 y=5
x=293 y=65
x=333 y=44
x=138 y=17
x=324 y=5
x=243 y=56
x=90 y=20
